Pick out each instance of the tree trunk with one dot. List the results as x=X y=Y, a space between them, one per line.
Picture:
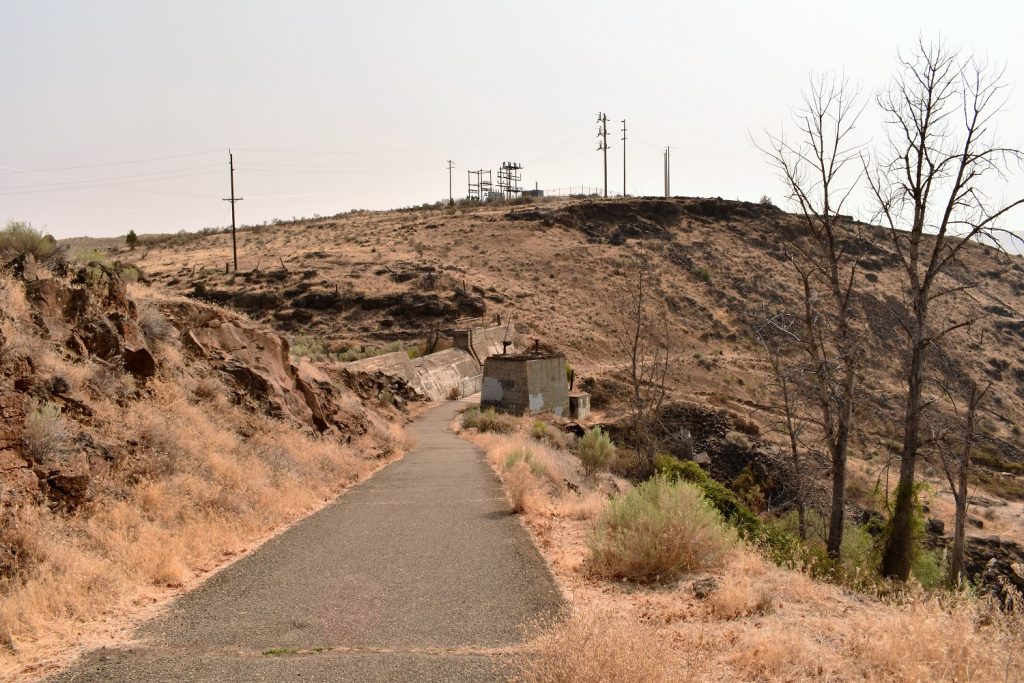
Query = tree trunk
x=956 y=560
x=899 y=545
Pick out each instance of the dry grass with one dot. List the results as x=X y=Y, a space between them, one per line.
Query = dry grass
x=44 y=433
x=593 y=646
x=194 y=494
x=762 y=622
x=520 y=484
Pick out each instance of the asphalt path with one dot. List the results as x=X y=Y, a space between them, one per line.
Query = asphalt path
x=420 y=573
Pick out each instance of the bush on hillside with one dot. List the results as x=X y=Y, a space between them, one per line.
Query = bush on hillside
x=488 y=421
x=537 y=466
x=657 y=532
x=44 y=434
x=19 y=238
x=775 y=543
x=596 y=451
x=154 y=325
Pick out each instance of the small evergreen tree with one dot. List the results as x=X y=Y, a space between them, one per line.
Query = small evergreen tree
x=132 y=239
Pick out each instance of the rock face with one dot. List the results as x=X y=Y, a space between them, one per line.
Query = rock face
x=258 y=363
x=92 y=314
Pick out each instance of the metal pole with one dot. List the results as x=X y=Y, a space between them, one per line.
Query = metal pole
x=233 y=199
x=624 y=157
x=451 y=202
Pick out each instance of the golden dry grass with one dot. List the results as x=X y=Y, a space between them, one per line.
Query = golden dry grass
x=591 y=645
x=761 y=623
x=205 y=481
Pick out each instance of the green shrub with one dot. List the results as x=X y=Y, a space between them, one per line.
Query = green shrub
x=596 y=451
x=525 y=455
x=19 y=238
x=702 y=274
x=87 y=256
x=724 y=500
x=488 y=421
x=471 y=418
x=777 y=544
x=131 y=240
x=544 y=433
x=657 y=532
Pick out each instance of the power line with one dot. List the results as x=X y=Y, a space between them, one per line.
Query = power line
x=74 y=181
x=122 y=163
x=37 y=190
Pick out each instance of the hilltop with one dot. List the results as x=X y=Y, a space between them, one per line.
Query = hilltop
x=360 y=283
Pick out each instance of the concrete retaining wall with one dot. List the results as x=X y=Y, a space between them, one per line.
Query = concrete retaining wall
x=439 y=373
x=433 y=376
x=483 y=342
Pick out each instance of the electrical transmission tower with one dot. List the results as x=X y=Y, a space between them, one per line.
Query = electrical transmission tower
x=233 y=199
x=602 y=145
x=481 y=189
x=509 y=177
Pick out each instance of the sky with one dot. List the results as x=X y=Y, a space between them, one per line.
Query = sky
x=119 y=116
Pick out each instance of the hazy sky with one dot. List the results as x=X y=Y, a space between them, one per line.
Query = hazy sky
x=118 y=115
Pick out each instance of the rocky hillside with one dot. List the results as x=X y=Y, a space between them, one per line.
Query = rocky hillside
x=365 y=282
x=147 y=438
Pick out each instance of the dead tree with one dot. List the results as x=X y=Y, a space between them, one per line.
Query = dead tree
x=956 y=469
x=775 y=333
x=821 y=169
x=641 y=337
x=929 y=184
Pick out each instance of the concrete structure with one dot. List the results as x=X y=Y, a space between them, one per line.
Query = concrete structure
x=579 y=405
x=526 y=383
x=439 y=375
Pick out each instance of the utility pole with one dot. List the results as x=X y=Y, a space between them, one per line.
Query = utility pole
x=451 y=202
x=602 y=146
x=668 y=152
x=624 y=157
x=233 y=199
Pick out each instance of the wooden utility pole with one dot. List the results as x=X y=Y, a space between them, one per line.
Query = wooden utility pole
x=668 y=163
x=233 y=199
x=602 y=146
x=624 y=193
x=451 y=202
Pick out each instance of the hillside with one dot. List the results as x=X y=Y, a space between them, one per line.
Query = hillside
x=147 y=441
x=365 y=282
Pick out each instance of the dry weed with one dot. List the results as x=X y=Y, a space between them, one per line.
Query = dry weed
x=196 y=492
x=592 y=646
x=519 y=484
x=44 y=433
x=740 y=597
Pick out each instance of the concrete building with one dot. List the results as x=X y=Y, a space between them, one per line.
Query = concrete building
x=526 y=383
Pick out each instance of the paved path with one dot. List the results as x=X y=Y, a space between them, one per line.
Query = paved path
x=419 y=573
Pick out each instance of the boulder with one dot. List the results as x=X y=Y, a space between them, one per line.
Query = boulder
x=936 y=526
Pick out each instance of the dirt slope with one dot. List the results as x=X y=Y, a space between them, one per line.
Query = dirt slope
x=557 y=267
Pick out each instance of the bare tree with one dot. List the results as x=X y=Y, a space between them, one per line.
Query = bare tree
x=775 y=333
x=929 y=186
x=821 y=170
x=641 y=336
x=956 y=469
